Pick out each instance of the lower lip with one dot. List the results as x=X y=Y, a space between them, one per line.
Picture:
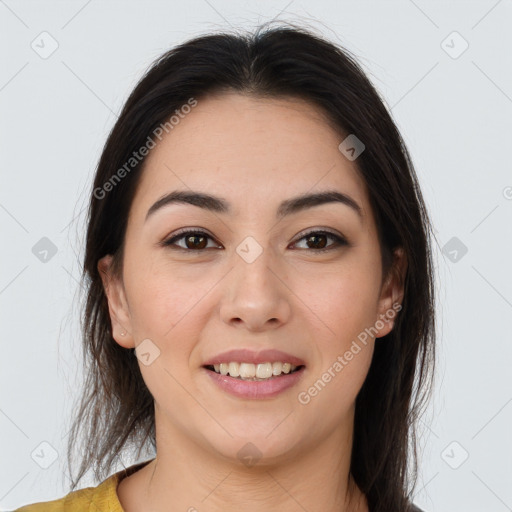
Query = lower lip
x=254 y=389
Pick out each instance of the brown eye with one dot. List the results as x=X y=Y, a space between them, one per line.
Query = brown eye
x=195 y=241
x=316 y=241
x=191 y=241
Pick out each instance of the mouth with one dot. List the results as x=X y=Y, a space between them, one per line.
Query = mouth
x=254 y=372
x=248 y=374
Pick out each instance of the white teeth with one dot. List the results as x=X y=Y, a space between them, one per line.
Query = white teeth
x=276 y=368
x=234 y=369
x=264 y=370
x=250 y=371
x=247 y=370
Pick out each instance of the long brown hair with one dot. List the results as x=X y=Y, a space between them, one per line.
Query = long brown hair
x=116 y=410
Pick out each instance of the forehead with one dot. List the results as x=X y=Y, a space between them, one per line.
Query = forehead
x=252 y=150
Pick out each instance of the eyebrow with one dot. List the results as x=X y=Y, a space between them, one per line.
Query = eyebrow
x=287 y=207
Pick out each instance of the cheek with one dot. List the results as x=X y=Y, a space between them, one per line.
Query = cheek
x=343 y=344
x=344 y=306
x=167 y=307
x=344 y=299
x=163 y=297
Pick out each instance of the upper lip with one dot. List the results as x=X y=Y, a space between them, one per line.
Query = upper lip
x=249 y=356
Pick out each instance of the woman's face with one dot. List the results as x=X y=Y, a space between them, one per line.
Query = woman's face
x=252 y=276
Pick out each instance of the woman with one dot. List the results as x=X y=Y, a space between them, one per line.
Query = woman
x=260 y=306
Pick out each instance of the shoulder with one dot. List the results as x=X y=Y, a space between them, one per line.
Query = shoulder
x=102 y=498
x=97 y=499
x=79 y=501
x=414 y=508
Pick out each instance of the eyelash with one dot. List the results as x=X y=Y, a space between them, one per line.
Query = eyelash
x=339 y=241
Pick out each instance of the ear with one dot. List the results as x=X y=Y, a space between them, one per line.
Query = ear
x=392 y=294
x=117 y=303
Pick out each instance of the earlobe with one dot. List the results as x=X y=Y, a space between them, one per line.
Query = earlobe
x=117 y=304
x=392 y=294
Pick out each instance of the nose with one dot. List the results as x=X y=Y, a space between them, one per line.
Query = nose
x=255 y=296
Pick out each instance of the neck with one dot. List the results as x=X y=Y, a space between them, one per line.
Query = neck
x=193 y=479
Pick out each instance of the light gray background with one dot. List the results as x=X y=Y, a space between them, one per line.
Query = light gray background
x=455 y=115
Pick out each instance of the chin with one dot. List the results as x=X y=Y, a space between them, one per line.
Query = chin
x=254 y=447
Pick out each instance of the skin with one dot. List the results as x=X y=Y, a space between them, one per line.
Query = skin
x=193 y=305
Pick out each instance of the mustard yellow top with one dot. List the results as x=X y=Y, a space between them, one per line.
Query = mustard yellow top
x=102 y=498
